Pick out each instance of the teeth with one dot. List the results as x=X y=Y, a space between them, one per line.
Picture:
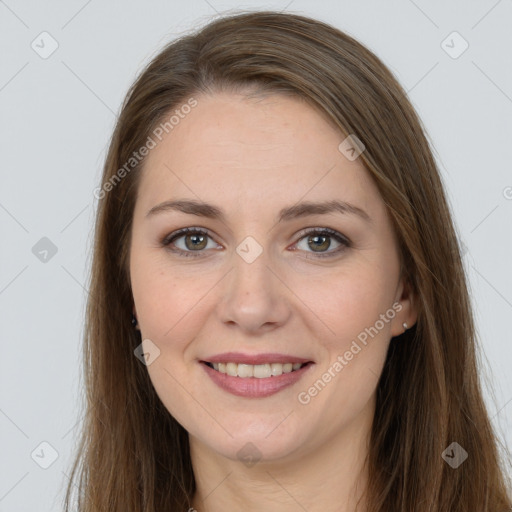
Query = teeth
x=232 y=369
x=287 y=368
x=245 y=370
x=276 y=369
x=260 y=371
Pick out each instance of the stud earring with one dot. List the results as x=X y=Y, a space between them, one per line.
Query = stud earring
x=404 y=325
x=134 y=321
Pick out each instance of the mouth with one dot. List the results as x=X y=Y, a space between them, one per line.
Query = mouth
x=258 y=371
x=255 y=380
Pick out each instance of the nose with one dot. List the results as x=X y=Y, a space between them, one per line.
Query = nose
x=254 y=296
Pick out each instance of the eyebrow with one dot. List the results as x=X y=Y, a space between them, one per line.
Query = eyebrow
x=298 y=210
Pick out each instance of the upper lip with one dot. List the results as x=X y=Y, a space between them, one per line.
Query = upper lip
x=240 y=358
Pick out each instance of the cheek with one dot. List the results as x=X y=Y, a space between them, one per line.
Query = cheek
x=357 y=308
x=171 y=307
x=355 y=347
x=167 y=299
x=348 y=302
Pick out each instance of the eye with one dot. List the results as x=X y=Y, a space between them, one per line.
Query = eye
x=320 y=239
x=194 y=239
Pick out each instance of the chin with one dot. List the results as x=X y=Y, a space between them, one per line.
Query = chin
x=256 y=442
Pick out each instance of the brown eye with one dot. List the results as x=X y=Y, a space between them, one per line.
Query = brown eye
x=187 y=241
x=320 y=240
x=195 y=241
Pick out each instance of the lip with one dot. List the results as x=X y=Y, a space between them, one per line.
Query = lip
x=240 y=358
x=252 y=387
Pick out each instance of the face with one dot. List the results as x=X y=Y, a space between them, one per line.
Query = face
x=262 y=278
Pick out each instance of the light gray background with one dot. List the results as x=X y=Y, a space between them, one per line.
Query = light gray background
x=57 y=115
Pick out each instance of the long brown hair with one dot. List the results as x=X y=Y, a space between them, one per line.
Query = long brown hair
x=133 y=456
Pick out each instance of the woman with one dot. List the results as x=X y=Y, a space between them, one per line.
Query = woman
x=278 y=314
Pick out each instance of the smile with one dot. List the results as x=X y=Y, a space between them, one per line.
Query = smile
x=255 y=381
x=259 y=371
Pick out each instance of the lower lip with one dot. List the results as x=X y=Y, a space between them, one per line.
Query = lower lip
x=252 y=387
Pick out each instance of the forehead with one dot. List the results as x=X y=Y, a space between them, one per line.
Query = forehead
x=247 y=150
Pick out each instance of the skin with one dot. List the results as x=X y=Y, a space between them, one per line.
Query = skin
x=251 y=157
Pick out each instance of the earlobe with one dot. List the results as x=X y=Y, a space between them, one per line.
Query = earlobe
x=407 y=316
x=135 y=323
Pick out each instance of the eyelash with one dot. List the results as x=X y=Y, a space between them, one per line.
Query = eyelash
x=169 y=239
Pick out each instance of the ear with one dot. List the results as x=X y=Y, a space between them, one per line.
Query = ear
x=408 y=312
x=134 y=311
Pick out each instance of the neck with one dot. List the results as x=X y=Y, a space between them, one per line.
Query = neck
x=328 y=478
